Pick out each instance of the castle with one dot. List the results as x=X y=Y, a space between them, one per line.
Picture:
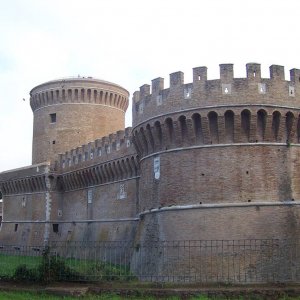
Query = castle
x=208 y=160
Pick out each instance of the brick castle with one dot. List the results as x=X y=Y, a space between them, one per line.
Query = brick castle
x=208 y=160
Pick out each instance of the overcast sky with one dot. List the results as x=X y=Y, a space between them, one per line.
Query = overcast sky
x=130 y=43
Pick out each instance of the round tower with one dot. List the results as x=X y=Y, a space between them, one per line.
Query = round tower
x=74 y=111
x=220 y=159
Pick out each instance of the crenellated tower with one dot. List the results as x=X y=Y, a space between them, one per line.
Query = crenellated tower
x=220 y=159
x=74 y=111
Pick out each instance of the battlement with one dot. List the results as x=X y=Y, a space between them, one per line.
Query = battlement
x=107 y=148
x=29 y=179
x=154 y=100
x=79 y=90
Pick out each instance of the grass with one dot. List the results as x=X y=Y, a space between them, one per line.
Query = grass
x=9 y=263
x=38 y=296
x=81 y=269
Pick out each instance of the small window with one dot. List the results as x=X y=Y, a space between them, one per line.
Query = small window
x=53 y=142
x=16 y=227
x=52 y=118
x=55 y=228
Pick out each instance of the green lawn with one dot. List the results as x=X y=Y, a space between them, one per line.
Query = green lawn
x=39 y=296
x=74 y=268
x=9 y=263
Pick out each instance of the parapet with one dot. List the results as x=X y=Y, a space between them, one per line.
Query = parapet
x=155 y=100
x=107 y=148
x=24 y=180
x=79 y=90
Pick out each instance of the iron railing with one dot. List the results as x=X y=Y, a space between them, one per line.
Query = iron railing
x=205 y=261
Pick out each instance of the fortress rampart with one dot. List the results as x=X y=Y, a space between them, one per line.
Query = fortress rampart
x=103 y=161
x=209 y=160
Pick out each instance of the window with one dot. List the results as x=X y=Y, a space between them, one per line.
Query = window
x=16 y=227
x=53 y=118
x=55 y=228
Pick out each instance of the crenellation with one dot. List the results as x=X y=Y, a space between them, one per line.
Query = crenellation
x=110 y=146
x=136 y=96
x=199 y=75
x=157 y=86
x=227 y=90
x=295 y=76
x=226 y=73
x=144 y=90
x=176 y=79
x=277 y=72
x=253 y=71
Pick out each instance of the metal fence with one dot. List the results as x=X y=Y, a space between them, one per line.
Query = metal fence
x=221 y=261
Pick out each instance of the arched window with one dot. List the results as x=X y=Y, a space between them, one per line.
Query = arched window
x=276 y=116
x=213 y=126
x=261 y=124
x=245 y=123
x=196 y=118
x=229 y=126
x=289 y=121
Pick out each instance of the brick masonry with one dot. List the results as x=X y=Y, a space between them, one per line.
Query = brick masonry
x=208 y=160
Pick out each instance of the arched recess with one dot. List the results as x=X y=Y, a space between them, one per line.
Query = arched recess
x=95 y=96
x=150 y=136
x=183 y=129
x=213 y=127
x=276 y=117
x=229 y=126
x=144 y=141
x=158 y=135
x=82 y=95
x=101 y=97
x=110 y=99
x=170 y=131
x=133 y=166
x=136 y=142
x=298 y=129
x=103 y=173
x=129 y=168
x=106 y=98
x=289 y=121
x=261 y=124
x=197 y=126
x=245 y=123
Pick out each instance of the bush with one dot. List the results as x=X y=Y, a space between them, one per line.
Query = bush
x=107 y=272
x=23 y=273
x=52 y=268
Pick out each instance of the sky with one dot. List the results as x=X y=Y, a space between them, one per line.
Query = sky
x=130 y=43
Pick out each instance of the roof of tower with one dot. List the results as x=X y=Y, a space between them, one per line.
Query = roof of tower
x=74 y=79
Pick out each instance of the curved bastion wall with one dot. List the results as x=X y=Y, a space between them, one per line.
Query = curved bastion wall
x=73 y=111
x=220 y=158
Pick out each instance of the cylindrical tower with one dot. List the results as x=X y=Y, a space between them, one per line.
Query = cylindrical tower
x=74 y=111
x=219 y=158
x=219 y=162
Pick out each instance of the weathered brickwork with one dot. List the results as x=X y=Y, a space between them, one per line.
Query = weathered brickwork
x=209 y=160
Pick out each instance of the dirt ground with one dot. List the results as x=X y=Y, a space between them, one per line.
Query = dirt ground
x=158 y=290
